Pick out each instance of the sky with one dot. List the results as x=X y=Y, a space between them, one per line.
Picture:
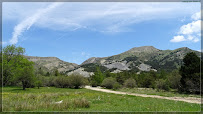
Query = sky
x=76 y=31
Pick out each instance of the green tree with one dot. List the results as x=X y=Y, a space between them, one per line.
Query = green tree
x=174 y=79
x=190 y=72
x=56 y=73
x=16 y=68
x=24 y=73
x=12 y=55
x=97 y=78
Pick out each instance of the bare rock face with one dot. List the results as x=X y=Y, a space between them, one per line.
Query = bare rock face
x=144 y=67
x=81 y=72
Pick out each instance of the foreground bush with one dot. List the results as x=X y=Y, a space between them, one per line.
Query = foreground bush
x=62 y=82
x=77 y=81
x=130 y=83
x=110 y=83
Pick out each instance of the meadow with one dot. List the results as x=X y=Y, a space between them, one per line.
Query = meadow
x=46 y=98
x=150 y=91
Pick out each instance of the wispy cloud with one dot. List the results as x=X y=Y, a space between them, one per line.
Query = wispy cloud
x=189 y=31
x=105 y=17
x=29 y=21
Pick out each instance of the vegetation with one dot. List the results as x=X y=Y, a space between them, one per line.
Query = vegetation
x=190 y=72
x=19 y=72
x=97 y=78
x=77 y=81
x=130 y=83
x=16 y=67
x=110 y=83
x=46 y=98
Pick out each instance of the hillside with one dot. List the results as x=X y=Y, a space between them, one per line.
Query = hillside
x=50 y=64
x=144 y=58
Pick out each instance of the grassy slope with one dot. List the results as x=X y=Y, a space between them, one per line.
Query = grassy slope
x=43 y=100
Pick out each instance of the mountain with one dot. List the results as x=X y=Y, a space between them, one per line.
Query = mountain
x=143 y=58
x=137 y=59
x=50 y=64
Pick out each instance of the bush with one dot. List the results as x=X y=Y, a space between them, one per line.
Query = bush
x=116 y=86
x=77 y=81
x=130 y=83
x=110 y=83
x=162 y=84
x=62 y=82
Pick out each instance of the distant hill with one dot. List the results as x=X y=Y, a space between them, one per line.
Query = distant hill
x=50 y=64
x=143 y=58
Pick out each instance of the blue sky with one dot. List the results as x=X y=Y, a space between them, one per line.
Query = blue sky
x=75 y=32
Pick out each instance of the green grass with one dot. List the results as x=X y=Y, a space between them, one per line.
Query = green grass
x=33 y=99
x=150 y=91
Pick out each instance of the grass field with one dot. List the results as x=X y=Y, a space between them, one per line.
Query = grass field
x=150 y=91
x=45 y=98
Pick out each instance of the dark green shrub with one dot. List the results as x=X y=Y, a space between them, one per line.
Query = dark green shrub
x=62 y=82
x=162 y=84
x=116 y=86
x=130 y=83
x=77 y=81
x=110 y=83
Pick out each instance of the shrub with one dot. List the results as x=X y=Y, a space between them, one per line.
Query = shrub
x=77 y=81
x=110 y=83
x=130 y=83
x=161 y=84
x=116 y=86
x=62 y=81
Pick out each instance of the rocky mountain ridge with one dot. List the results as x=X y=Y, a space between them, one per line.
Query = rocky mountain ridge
x=143 y=58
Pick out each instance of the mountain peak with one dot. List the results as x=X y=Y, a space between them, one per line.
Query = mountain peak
x=144 y=49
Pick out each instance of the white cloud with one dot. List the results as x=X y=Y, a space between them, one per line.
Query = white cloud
x=196 y=16
x=192 y=38
x=178 y=39
x=29 y=21
x=190 y=28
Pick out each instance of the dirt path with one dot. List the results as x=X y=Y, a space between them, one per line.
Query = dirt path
x=185 y=99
